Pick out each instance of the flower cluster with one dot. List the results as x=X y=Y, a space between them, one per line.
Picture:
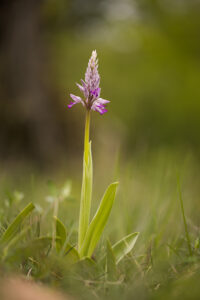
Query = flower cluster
x=90 y=88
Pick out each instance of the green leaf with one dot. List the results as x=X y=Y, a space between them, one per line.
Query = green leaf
x=98 y=223
x=61 y=243
x=61 y=233
x=14 y=226
x=71 y=253
x=111 y=268
x=124 y=246
x=86 y=195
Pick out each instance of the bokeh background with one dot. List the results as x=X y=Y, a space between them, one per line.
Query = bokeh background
x=149 y=56
x=149 y=62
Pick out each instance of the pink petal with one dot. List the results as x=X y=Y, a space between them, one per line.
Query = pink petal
x=76 y=99
x=71 y=104
x=102 y=101
x=99 y=108
x=80 y=87
x=85 y=89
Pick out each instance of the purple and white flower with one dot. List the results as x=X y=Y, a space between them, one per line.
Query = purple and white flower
x=90 y=88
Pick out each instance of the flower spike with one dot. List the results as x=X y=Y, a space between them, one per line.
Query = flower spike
x=90 y=88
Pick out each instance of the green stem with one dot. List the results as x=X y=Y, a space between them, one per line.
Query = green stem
x=184 y=219
x=86 y=190
x=87 y=135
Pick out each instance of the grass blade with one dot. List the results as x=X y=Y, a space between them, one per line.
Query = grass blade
x=71 y=253
x=61 y=232
x=124 y=246
x=111 y=267
x=14 y=226
x=98 y=223
x=184 y=218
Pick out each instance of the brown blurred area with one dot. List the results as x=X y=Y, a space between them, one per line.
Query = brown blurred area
x=18 y=288
x=30 y=119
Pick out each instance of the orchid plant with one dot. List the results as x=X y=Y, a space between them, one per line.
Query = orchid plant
x=90 y=232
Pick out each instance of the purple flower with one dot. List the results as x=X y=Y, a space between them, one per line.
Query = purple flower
x=90 y=88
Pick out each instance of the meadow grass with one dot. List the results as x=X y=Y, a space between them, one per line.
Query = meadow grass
x=164 y=262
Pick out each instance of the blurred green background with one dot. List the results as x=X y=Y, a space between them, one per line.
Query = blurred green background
x=149 y=62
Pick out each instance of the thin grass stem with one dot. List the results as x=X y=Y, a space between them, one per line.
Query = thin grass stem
x=184 y=218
